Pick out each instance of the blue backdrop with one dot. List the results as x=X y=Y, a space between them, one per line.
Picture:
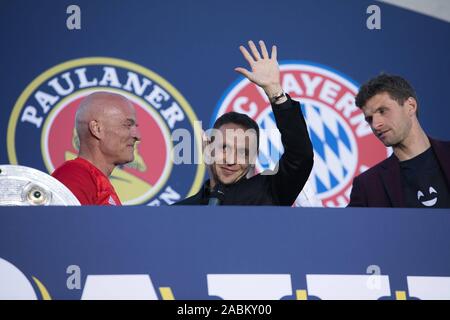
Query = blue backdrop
x=193 y=46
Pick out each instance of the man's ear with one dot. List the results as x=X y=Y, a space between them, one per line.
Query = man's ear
x=207 y=149
x=95 y=129
x=209 y=145
x=411 y=103
x=205 y=141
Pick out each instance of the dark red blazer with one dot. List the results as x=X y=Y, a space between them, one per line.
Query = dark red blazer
x=381 y=185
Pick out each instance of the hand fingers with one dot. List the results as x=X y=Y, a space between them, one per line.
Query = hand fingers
x=264 y=52
x=274 y=53
x=255 y=52
x=246 y=55
x=244 y=72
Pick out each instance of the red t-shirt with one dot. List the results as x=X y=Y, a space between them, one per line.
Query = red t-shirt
x=87 y=183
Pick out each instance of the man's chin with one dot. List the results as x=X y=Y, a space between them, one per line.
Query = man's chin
x=386 y=143
x=226 y=182
x=229 y=180
x=124 y=161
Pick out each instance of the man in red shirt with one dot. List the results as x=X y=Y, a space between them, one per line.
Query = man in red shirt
x=107 y=129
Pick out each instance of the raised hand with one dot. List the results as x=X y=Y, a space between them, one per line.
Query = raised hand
x=264 y=69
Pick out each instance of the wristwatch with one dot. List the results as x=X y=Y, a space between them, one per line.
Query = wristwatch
x=277 y=97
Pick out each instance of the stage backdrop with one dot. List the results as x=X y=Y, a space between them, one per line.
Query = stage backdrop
x=175 y=61
x=243 y=253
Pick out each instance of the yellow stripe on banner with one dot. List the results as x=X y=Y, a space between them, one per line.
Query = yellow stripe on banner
x=301 y=294
x=400 y=295
x=166 y=293
x=44 y=293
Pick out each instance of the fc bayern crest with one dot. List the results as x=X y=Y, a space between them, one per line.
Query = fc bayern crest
x=41 y=127
x=344 y=145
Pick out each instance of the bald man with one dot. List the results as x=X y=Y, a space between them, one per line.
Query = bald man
x=106 y=127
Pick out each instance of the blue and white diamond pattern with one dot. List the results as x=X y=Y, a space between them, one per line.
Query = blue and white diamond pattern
x=335 y=152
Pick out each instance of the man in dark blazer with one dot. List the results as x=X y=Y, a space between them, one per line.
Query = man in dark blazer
x=417 y=174
x=230 y=166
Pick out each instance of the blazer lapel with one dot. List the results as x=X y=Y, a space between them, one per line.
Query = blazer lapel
x=443 y=157
x=390 y=173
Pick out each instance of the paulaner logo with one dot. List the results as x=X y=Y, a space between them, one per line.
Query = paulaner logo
x=41 y=127
x=344 y=145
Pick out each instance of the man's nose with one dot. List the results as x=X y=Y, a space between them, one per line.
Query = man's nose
x=136 y=134
x=377 y=123
x=230 y=157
